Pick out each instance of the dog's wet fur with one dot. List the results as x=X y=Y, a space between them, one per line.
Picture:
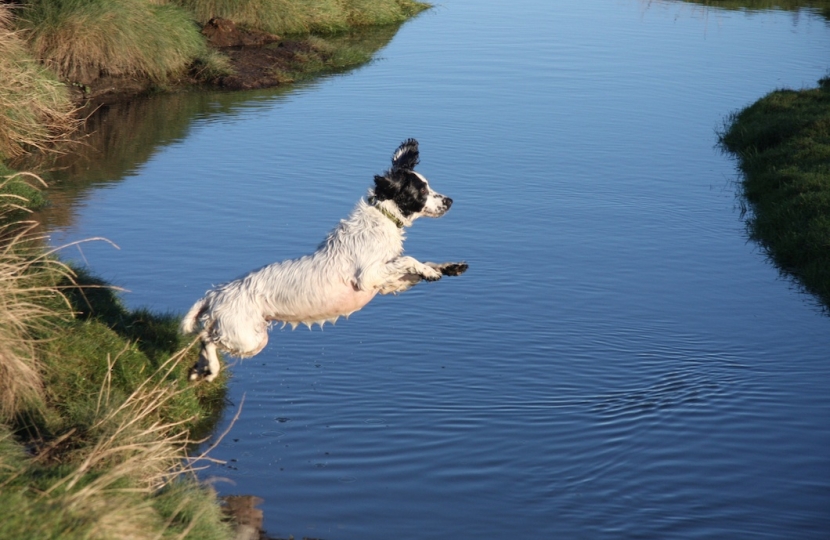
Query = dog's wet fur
x=361 y=257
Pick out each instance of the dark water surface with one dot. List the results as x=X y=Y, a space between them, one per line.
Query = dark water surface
x=619 y=362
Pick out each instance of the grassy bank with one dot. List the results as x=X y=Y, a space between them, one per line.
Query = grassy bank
x=160 y=42
x=96 y=416
x=783 y=147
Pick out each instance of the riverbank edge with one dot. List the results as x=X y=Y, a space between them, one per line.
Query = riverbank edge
x=98 y=423
x=99 y=442
x=782 y=143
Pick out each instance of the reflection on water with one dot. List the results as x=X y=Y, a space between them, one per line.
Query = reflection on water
x=618 y=362
x=119 y=138
x=820 y=6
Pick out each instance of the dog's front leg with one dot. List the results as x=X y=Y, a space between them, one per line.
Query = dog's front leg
x=400 y=274
x=409 y=266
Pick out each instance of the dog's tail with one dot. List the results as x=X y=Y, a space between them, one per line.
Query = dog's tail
x=190 y=321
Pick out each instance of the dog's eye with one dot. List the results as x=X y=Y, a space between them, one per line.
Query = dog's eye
x=423 y=191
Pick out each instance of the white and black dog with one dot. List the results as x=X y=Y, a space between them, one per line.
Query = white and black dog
x=361 y=257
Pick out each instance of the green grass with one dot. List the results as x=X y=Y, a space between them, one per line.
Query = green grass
x=20 y=189
x=783 y=146
x=82 y=40
x=283 y=17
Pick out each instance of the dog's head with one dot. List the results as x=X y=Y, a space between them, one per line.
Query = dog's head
x=409 y=190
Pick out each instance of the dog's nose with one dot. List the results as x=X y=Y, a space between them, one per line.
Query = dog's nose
x=447 y=202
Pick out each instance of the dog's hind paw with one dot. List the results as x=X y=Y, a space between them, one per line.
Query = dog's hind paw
x=197 y=374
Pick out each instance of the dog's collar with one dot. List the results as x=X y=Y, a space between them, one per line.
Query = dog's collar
x=373 y=202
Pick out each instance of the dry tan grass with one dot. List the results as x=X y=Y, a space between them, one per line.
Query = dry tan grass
x=131 y=440
x=35 y=109
x=82 y=40
x=28 y=278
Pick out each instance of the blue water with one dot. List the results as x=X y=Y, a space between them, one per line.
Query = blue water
x=620 y=361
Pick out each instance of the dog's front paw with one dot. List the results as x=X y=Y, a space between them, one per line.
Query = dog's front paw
x=449 y=268
x=454 y=269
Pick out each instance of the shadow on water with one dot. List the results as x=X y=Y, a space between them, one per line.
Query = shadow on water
x=118 y=138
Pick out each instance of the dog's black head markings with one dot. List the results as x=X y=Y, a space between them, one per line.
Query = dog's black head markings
x=409 y=190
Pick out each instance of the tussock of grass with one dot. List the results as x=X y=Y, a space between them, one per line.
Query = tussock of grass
x=84 y=39
x=209 y=65
x=304 y=16
x=783 y=145
x=35 y=109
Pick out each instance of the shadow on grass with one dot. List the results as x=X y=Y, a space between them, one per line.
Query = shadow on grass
x=156 y=335
x=105 y=353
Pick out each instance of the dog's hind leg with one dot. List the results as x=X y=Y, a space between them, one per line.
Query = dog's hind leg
x=214 y=367
x=208 y=366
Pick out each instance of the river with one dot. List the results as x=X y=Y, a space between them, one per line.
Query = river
x=620 y=361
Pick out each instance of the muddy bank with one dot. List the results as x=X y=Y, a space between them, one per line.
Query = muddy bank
x=255 y=57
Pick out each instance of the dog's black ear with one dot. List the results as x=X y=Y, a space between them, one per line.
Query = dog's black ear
x=406 y=156
x=385 y=188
